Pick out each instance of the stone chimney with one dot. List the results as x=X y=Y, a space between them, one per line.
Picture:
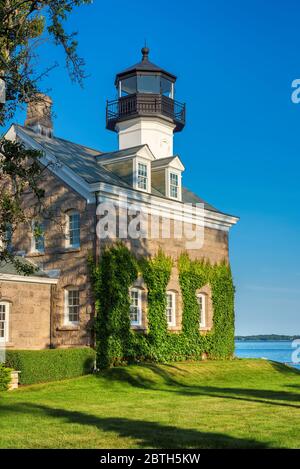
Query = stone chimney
x=39 y=117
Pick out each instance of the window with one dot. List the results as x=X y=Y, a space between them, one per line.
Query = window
x=135 y=306
x=72 y=305
x=171 y=308
x=8 y=236
x=202 y=312
x=74 y=230
x=127 y=86
x=148 y=84
x=38 y=237
x=174 y=185
x=167 y=88
x=142 y=176
x=4 y=312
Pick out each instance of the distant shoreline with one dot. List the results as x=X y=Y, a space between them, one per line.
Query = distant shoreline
x=266 y=338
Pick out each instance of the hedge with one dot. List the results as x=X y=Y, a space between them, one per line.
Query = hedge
x=4 y=377
x=38 y=366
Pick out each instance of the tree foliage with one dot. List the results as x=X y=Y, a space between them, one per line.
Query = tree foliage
x=23 y=24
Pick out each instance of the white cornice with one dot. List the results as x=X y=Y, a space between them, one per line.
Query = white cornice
x=164 y=207
x=27 y=279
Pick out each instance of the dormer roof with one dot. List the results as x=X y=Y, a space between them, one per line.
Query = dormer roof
x=170 y=162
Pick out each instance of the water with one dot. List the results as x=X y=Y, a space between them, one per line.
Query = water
x=280 y=351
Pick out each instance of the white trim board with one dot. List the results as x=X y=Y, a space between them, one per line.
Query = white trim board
x=27 y=279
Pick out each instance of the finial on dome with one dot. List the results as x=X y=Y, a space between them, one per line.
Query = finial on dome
x=145 y=52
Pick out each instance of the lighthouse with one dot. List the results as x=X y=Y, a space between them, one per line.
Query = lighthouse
x=146 y=111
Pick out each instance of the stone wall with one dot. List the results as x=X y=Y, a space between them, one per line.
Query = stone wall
x=29 y=314
x=71 y=262
x=214 y=249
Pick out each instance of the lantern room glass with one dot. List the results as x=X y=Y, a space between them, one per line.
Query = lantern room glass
x=148 y=84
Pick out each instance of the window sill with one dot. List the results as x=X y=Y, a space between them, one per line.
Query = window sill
x=205 y=329
x=35 y=254
x=136 y=327
x=71 y=249
x=69 y=327
x=5 y=345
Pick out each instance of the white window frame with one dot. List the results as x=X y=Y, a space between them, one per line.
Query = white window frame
x=8 y=237
x=5 y=339
x=67 y=306
x=202 y=317
x=143 y=176
x=33 y=239
x=139 y=306
x=173 y=309
x=170 y=171
x=146 y=163
x=68 y=237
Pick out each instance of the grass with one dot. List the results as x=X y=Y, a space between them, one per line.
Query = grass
x=219 y=404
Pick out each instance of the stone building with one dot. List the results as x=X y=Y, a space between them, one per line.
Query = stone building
x=81 y=184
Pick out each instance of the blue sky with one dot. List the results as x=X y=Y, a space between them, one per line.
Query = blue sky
x=235 y=62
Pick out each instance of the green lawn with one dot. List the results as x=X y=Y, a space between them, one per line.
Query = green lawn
x=234 y=404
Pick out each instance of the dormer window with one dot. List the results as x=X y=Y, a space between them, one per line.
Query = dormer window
x=142 y=176
x=174 y=185
x=166 y=176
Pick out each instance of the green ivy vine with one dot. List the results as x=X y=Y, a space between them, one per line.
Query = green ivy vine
x=117 y=343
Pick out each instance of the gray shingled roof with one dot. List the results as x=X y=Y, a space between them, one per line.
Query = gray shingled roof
x=82 y=160
x=9 y=268
x=86 y=163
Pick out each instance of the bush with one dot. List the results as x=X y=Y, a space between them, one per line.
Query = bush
x=38 y=366
x=4 y=377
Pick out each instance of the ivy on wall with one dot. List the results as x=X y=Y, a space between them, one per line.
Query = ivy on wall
x=117 y=343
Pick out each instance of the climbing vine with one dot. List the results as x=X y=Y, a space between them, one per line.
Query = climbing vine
x=117 y=343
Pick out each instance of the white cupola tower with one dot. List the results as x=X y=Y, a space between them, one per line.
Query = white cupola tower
x=145 y=111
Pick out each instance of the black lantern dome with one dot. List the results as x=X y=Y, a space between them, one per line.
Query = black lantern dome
x=145 y=89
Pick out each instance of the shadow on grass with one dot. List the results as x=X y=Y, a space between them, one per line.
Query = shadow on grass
x=284 y=369
x=169 y=384
x=146 y=434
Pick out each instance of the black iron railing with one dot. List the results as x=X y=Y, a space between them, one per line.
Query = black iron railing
x=144 y=105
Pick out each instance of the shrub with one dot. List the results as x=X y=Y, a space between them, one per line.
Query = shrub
x=4 y=377
x=38 y=366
